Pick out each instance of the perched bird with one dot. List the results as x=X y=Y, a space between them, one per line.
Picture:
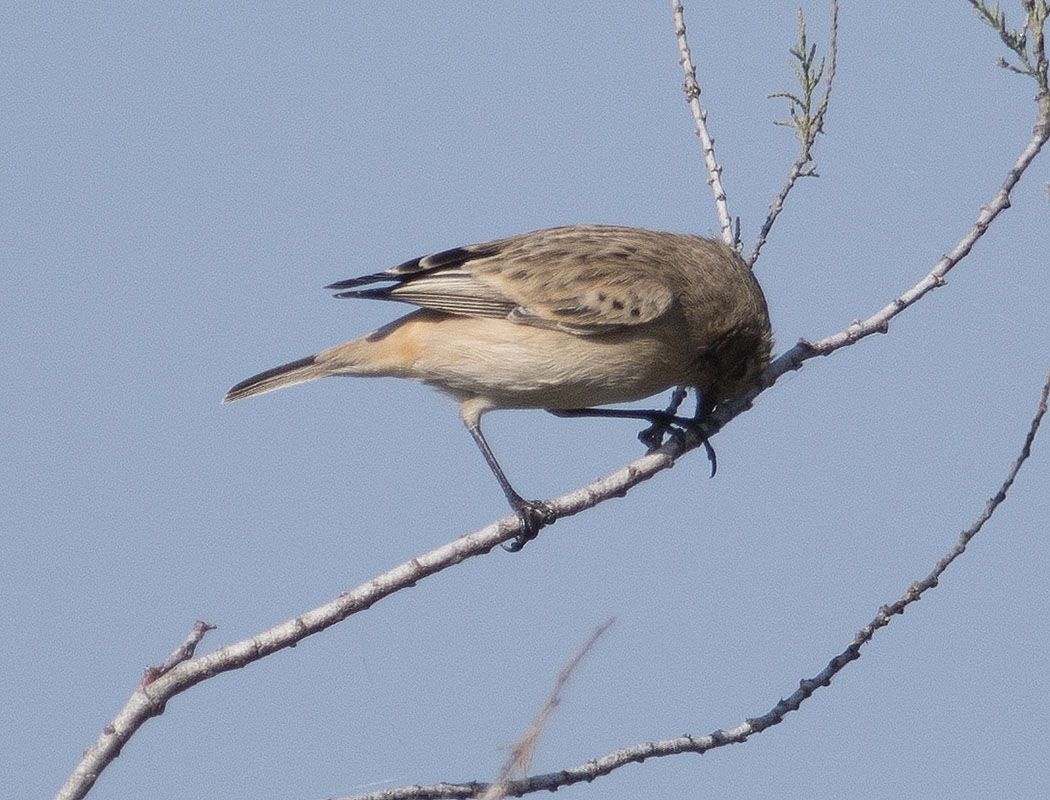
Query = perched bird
x=560 y=319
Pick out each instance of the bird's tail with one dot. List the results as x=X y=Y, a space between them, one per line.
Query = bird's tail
x=389 y=351
x=379 y=353
x=301 y=371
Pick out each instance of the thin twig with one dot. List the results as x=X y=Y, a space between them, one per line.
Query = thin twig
x=803 y=165
x=692 y=94
x=598 y=767
x=1036 y=14
x=183 y=652
x=520 y=759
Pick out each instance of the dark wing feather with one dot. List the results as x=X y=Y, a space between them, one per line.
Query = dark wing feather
x=446 y=259
x=583 y=280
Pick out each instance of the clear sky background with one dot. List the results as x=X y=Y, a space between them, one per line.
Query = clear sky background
x=180 y=180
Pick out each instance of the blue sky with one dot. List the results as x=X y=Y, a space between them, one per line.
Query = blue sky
x=179 y=183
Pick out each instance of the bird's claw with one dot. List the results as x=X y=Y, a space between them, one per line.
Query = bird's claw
x=533 y=515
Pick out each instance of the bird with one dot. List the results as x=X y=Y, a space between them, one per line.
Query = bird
x=563 y=319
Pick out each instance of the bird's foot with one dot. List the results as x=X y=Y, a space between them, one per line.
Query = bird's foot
x=664 y=424
x=534 y=515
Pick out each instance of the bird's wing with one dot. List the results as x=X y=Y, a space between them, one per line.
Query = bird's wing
x=583 y=279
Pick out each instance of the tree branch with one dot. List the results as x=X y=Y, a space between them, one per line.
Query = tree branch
x=598 y=767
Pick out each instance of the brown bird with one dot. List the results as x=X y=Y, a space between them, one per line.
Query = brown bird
x=560 y=319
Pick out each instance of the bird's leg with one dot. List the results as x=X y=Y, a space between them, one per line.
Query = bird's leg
x=534 y=514
x=661 y=422
x=653 y=415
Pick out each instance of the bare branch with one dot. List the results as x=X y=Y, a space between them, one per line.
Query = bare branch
x=150 y=697
x=879 y=321
x=692 y=94
x=691 y=744
x=807 y=126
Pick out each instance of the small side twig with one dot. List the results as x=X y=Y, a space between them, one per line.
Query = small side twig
x=183 y=652
x=521 y=756
x=807 y=123
x=1036 y=14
